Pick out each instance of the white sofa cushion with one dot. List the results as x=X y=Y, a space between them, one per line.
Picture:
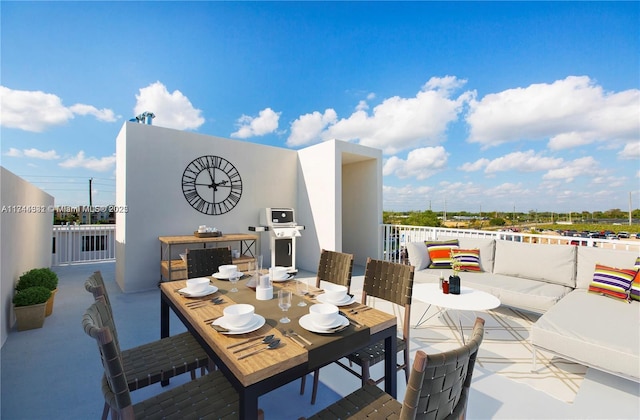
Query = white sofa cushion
x=418 y=255
x=548 y=263
x=589 y=256
x=526 y=294
x=594 y=331
x=529 y=295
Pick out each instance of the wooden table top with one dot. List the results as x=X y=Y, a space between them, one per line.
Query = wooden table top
x=253 y=369
x=192 y=239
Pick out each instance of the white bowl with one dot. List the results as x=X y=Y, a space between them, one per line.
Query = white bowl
x=279 y=273
x=237 y=316
x=323 y=314
x=197 y=285
x=227 y=269
x=335 y=292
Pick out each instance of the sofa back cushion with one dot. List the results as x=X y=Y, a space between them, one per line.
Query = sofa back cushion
x=588 y=257
x=549 y=263
x=418 y=255
x=485 y=245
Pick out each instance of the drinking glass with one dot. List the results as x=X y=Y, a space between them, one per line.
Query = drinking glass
x=259 y=264
x=303 y=288
x=233 y=278
x=284 y=302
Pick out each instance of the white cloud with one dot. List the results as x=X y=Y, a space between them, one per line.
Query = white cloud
x=13 y=152
x=37 y=111
x=569 y=113
x=527 y=161
x=570 y=170
x=507 y=190
x=309 y=127
x=32 y=153
x=420 y=163
x=394 y=125
x=101 y=114
x=407 y=197
x=39 y=154
x=474 y=166
x=172 y=110
x=630 y=151
x=96 y=164
x=266 y=122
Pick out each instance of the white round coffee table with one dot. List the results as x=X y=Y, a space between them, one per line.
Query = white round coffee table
x=468 y=300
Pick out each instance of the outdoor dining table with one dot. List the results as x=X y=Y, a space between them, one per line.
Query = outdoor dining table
x=257 y=375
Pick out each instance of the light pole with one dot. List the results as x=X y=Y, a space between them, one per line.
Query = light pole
x=90 y=200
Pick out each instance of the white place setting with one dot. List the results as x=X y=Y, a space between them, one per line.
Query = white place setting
x=323 y=318
x=198 y=287
x=336 y=294
x=239 y=319
x=279 y=274
x=225 y=272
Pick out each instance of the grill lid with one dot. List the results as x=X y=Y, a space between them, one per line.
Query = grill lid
x=274 y=217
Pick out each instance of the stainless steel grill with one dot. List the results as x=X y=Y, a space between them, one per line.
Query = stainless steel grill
x=283 y=230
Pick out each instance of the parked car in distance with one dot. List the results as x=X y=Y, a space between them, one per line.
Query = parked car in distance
x=623 y=235
x=638 y=235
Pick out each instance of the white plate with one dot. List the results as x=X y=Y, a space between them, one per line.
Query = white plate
x=210 y=289
x=306 y=323
x=289 y=277
x=221 y=276
x=258 y=321
x=347 y=300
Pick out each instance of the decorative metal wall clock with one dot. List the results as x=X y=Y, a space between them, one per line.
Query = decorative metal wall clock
x=211 y=185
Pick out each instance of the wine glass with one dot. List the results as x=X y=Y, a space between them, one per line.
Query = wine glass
x=233 y=278
x=284 y=302
x=303 y=288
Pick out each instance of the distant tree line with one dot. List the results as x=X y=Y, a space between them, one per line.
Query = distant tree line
x=497 y=218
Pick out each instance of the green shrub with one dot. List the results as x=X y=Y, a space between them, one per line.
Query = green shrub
x=31 y=296
x=44 y=277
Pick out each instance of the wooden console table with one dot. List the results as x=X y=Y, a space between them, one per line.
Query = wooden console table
x=176 y=269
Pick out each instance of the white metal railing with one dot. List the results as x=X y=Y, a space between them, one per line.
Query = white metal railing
x=83 y=243
x=395 y=238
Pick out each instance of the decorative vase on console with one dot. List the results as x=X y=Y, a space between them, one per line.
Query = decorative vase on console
x=454 y=281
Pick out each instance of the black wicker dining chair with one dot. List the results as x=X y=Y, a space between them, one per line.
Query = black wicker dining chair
x=152 y=362
x=334 y=267
x=204 y=262
x=209 y=396
x=392 y=282
x=438 y=388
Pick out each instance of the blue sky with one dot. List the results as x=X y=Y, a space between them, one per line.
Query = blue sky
x=476 y=105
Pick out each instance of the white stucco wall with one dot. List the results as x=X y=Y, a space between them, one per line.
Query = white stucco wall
x=340 y=193
x=150 y=162
x=25 y=238
x=318 y=201
x=361 y=203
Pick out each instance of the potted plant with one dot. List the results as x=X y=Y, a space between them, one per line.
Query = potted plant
x=43 y=277
x=30 y=306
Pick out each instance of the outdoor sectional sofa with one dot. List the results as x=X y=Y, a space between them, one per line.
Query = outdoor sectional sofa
x=553 y=280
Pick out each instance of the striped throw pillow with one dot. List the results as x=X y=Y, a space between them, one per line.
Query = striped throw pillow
x=466 y=259
x=634 y=292
x=440 y=252
x=613 y=282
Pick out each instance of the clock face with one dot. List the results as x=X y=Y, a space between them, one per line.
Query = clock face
x=211 y=185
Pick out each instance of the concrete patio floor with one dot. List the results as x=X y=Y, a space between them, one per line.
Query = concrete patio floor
x=54 y=372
